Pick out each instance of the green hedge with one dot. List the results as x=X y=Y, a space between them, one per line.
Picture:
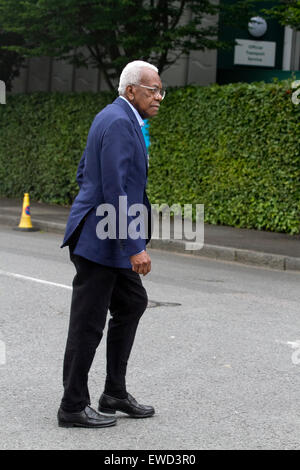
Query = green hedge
x=42 y=138
x=234 y=148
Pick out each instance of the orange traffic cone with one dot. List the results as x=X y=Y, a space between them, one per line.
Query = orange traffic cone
x=25 y=221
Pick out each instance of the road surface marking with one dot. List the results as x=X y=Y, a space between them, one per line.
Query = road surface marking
x=33 y=279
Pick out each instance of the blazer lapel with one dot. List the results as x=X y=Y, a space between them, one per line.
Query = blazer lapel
x=137 y=127
x=142 y=140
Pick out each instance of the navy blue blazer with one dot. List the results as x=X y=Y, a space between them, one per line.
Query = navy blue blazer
x=114 y=163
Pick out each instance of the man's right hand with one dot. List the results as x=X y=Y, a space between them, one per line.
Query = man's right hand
x=141 y=263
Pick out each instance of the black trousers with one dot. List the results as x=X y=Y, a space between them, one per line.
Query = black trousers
x=97 y=288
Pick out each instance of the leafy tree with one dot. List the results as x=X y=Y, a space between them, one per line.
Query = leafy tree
x=287 y=12
x=107 y=34
x=10 y=61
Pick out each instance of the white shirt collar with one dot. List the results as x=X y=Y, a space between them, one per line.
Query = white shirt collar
x=136 y=113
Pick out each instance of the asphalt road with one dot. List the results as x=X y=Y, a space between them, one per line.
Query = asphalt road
x=222 y=368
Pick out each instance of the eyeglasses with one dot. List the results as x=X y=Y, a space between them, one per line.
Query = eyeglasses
x=155 y=90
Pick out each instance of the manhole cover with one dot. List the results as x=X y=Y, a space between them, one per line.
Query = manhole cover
x=153 y=304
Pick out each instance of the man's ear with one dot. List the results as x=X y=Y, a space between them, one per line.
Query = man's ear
x=129 y=92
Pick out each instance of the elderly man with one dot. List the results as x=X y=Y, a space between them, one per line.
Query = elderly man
x=113 y=167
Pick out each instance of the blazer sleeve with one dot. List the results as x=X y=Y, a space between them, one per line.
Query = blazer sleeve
x=79 y=175
x=117 y=152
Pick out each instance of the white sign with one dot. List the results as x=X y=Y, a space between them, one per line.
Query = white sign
x=256 y=53
x=2 y=92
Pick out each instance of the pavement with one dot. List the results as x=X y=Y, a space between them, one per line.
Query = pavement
x=251 y=247
x=217 y=355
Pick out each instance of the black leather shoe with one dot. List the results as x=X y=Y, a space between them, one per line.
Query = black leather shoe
x=87 y=418
x=129 y=405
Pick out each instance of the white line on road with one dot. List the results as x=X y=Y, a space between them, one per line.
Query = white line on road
x=33 y=279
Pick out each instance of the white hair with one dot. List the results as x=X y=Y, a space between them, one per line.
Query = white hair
x=131 y=74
